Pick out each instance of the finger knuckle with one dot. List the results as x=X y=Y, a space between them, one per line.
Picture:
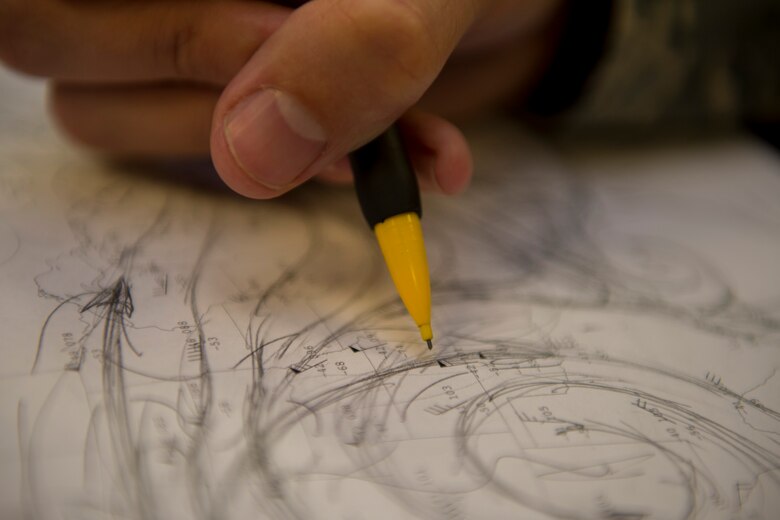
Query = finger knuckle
x=397 y=36
x=174 y=45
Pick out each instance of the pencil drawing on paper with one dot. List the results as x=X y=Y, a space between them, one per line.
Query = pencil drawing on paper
x=211 y=358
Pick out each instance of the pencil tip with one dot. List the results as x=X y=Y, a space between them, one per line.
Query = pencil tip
x=430 y=344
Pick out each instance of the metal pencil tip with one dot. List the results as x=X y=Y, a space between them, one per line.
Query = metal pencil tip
x=430 y=344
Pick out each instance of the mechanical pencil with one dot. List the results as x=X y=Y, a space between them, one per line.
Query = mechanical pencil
x=389 y=197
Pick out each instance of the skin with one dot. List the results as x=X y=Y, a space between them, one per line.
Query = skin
x=168 y=78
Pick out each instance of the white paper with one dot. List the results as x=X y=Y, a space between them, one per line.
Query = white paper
x=607 y=341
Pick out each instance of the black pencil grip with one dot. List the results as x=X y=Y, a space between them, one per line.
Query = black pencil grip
x=384 y=179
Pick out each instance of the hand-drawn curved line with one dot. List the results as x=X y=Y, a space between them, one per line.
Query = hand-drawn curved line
x=292 y=272
x=30 y=468
x=134 y=487
x=428 y=387
x=262 y=345
x=116 y=295
x=549 y=506
x=44 y=327
x=13 y=250
x=628 y=391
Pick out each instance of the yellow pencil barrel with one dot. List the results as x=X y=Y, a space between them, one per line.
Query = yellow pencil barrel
x=401 y=241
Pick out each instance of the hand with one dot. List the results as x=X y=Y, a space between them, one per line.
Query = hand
x=304 y=86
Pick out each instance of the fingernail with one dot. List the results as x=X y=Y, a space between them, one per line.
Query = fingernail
x=273 y=137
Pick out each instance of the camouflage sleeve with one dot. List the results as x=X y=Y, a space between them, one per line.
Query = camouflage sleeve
x=714 y=62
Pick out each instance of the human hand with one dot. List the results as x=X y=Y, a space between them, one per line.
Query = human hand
x=304 y=86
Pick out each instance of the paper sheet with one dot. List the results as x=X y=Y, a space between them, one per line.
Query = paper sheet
x=607 y=341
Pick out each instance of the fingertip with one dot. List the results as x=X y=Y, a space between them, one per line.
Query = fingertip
x=454 y=166
x=439 y=153
x=232 y=173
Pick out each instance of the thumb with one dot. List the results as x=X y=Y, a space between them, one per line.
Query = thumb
x=335 y=75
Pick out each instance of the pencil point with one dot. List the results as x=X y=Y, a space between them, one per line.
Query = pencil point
x=430 y=344
x=425 y=332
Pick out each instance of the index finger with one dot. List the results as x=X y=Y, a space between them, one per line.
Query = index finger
x=134 y=41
